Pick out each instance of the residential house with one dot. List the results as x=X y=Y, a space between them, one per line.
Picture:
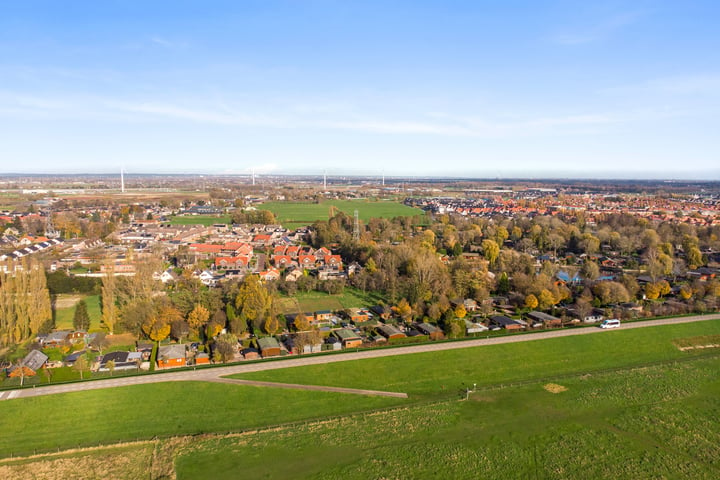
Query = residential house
x=33 y=361
x=381 y=311
x=333 y=343
x=501 y=321
x=390 y=332
x=293 y=275
x=474 y=326
x=122 y=360
x=357 y=315
x=426 y=328
x=323 y=316
x=348 y=338
x=594 y=315
x=282 y=261
x=544 y=320
x=270 y=274
x=250 y=353
x=202 y=358
x=333 y=262
x=206 y=277
x=308 y=262
x=172 y=356
x=77 y=336
x=168 y=276
x=232 y=262
x=73 y=357
x=321 y=253
x=55 y=339
x=269 y=347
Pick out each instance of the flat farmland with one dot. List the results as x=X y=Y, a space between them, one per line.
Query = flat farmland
x=305 y=213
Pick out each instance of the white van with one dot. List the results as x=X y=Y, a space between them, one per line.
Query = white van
x=611 y=323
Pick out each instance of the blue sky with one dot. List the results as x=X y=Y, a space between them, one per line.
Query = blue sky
x=476 y=88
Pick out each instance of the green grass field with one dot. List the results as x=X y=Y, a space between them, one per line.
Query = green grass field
x=656 y=422
x=314 y=301
x=199 y=219
x=174 y=408
x=639 y=421
x=64 y=316
x=430 y=374
x=295 y=214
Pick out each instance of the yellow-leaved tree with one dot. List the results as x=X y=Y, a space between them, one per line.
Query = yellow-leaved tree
x=156 y=329
x=531 y=302
x=198 y=317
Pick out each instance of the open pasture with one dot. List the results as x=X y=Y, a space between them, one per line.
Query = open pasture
x=654 y=422
x=305 y=213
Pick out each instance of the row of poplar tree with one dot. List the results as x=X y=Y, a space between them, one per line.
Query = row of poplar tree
x=24 y=301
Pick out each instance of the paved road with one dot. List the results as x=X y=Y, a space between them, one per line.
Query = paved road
x=212 y=374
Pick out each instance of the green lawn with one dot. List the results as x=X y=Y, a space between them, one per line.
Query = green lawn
x=656 y=422
x=199 y=219
x=173 y=408
x=64 y=316
x=431 y=374
x=304 y=213
x=314 y=301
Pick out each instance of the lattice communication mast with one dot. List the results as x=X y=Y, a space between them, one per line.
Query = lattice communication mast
x=356 y=227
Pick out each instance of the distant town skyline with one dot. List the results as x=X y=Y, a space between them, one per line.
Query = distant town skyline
x=553 y=89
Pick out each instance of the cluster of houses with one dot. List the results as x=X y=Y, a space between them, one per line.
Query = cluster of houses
x=545 y=201
x=32 y=246
x=168 y=356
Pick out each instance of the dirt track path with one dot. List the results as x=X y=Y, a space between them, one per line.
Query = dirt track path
x=214 y=374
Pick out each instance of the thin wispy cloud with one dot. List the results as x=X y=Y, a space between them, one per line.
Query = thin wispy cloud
x=597 y=31
x=349 y=118
x=166 y=43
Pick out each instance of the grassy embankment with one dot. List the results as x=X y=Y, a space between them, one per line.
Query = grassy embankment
x=670 y=408
x=429 y=374
x=654 y=422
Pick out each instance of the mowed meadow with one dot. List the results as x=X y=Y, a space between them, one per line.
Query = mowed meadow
x=296 y=214
x=651 y=422
x=617 y=404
